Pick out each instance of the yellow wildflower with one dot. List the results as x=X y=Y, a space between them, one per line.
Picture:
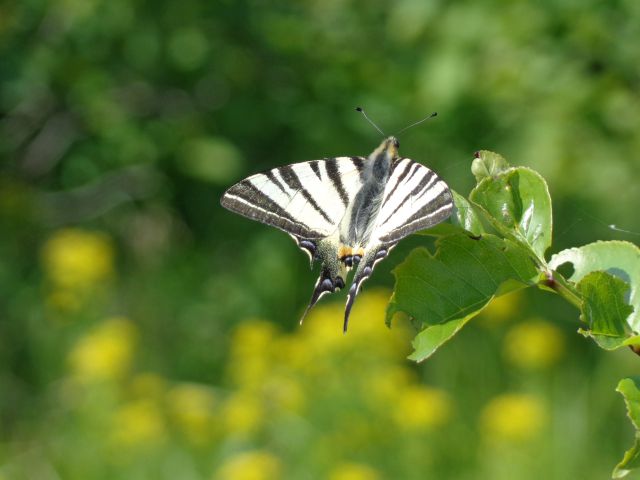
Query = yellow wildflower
x=501 y=309
x=421 y=407
x=137 y=424
x=386 y=384
x=192 y=407
x=513 y=418
x=353 y=471
x=242 y=414
x=323 y=331
x=292 y=351
x=251 y=347
x=256 y=465
x=104 y=353
x=534 y=344
x=75 y=258
x=284 y=392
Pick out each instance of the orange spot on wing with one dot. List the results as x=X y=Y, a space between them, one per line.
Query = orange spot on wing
x=345 y=251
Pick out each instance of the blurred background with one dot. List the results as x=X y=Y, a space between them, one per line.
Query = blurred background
x=146 y=333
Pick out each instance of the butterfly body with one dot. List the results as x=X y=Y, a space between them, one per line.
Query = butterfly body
x=345 y=212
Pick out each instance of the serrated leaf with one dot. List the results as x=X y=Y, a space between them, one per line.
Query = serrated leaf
x=630 y=390
x=464 y=217
x=518 y=205
x=487 y=164
x=605 y=310
x=445 y=290
x=621 y=259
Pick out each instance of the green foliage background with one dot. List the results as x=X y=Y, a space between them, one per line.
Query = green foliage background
x=128 y=297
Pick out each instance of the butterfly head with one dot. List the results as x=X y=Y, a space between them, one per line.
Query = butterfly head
x=392 y=145
x=388 y=148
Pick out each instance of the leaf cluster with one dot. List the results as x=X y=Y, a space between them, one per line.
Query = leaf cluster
x=496 y=243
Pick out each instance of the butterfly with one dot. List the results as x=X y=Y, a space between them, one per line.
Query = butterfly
x=345 y=212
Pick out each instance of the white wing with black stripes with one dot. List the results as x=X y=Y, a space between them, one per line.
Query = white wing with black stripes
x=414 y=199
x=345 y=212
x=306 y=200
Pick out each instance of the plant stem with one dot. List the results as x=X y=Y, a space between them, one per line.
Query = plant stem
x=560 y=285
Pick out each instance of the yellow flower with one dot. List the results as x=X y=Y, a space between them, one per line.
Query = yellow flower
x=421 y=407
x=501 y=309
x=137 y=424
x=75 y=258
x=284 y=392
x=322 y=330
x=292 y=351
x=323 y=334
x=353 y=471
x=534 y=344
x=251 y=348
x=513 y=418
x=242 y=414
x=192 y=407
x=386 y=384
x=256 y=465
x=104 y=353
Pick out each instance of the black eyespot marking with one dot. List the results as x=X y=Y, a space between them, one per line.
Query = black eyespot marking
x=348 y=261
x=327 y=285
x=308 y=245
x=356 y=259
x=339 y=283
x=381 y=254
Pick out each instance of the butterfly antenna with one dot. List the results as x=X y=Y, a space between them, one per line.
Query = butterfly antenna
x=614 y=227
x=359 y=109
x=417 y=123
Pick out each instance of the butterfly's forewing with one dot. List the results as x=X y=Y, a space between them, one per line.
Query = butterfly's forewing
x=415 y=198
x=306 y=200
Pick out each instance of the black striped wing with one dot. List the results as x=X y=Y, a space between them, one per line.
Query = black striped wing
x=415 y=198
x=306 y=199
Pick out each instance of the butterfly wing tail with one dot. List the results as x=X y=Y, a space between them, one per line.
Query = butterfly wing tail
x=330 y=280
x=364 y=271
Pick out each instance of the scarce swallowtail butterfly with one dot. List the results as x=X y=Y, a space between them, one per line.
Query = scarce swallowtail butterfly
x=345 y=212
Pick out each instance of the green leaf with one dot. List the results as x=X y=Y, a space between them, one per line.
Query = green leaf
x=517 y=203
x=445 y=290
x=464 y=217
x=430 y=339
x=488 y=164
x=621 y=259
x=630 y=390
x=605 y=310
